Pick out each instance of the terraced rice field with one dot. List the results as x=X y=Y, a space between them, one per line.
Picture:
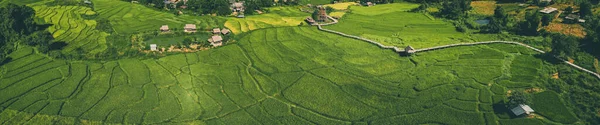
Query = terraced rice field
x=76 y=25
x=277 y=17
x=129 y=18
x=293 y=75
x=397 y=27
x=69 y=26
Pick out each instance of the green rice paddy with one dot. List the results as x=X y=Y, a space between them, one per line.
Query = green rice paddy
x=295 y=75
x=274 y=73
x=390 y=24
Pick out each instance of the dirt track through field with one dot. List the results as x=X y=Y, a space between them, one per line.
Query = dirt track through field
x=398 y=50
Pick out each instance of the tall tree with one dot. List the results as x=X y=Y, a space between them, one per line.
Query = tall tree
x=456 y=9
x=518 y=97
x=546 y=19
x=530 y=25
x=564 y=46
x=585 y=9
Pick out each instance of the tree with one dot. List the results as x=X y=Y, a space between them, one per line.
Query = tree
x=530 y=25
x=564 y=46
x=456 y=9
x=546 y=19
x=569 y=10
x=585 y=9
x=518 y=97
x=497 y=22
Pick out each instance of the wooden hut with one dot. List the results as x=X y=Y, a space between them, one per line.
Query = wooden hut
x=409 y=50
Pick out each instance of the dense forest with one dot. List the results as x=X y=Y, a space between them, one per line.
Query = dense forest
x=17 y=27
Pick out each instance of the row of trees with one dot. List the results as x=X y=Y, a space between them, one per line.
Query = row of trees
x=17 y=27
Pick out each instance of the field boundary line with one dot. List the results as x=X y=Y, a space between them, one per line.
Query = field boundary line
x=398 y=50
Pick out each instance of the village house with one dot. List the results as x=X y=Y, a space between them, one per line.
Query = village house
x=87 y=2
x=574 y=18
x=322 y=14
x=522 y=109
x=216 y=40
x=190 y=28
x=409 y=50
x=164 y=28
x=548 y=10
x=153 y=47
x=216 y=31
x=225 y=31
x=238 y=6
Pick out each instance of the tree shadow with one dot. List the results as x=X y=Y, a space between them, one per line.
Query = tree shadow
x=44 y=26
x=548 y=57
x=8 y=59
x=502 y=111
x=57 y=45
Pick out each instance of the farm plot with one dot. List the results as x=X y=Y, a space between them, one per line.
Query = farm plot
x=289 y=75
x=127 y=18
x=397 y=27
x=69 y=26
x=276 y=17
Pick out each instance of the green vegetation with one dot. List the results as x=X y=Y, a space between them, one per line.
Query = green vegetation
x=550 y=105
x=277 y=72
x=244 y=74
x=277 y=17
x=400 y=28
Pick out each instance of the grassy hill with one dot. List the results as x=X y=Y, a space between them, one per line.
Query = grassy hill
x=275 y=73
x=295 y=75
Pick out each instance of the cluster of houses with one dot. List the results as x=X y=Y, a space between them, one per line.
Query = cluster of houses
x=322 y=17
x=215 y=40
x=571 y=17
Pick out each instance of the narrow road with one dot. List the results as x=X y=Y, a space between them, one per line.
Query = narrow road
x=398 y=50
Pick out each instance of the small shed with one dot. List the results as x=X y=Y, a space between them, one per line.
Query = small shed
x=409 y=49
x=216 y=40
x=153 y=47
x=310 y=20
x=225 y=31
x=189 y=28
x=216 y=31
x=546 y=1
x=548 y=10
x=522 y=109
x=164 y=28
x=87 y=2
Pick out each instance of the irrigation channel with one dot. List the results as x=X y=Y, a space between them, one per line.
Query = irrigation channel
x=398 y=50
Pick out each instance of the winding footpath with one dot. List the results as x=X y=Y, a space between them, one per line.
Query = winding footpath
x=398 y=50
